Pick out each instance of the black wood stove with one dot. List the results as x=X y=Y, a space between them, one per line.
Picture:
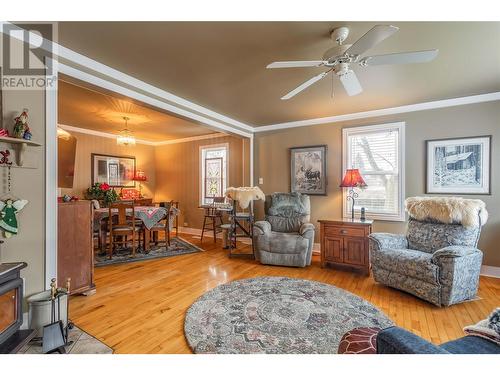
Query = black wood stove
x=12 y=338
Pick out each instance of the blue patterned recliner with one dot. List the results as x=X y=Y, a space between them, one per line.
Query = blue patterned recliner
x=437 y=262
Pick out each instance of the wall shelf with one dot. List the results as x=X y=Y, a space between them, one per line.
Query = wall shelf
x=20 y=147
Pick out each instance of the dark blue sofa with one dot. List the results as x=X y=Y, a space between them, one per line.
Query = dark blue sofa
x=395 y=340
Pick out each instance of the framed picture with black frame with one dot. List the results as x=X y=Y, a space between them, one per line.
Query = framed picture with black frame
x=459 y=165
x=116 y=171
x=308 y=169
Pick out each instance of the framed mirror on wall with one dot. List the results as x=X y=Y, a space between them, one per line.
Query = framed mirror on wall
x=116 y=171
x=66 y=155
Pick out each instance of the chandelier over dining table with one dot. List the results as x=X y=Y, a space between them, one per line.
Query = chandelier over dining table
x=126 y=136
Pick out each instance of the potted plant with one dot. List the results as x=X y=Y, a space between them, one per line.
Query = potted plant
x=102 y=192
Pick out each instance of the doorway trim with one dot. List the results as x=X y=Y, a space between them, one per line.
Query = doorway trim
x=51 y=181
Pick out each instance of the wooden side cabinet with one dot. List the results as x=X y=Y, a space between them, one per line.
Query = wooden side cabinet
x=75 y=256
x=345 y=243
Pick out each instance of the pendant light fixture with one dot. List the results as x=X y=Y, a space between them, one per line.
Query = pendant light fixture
x=126 y=137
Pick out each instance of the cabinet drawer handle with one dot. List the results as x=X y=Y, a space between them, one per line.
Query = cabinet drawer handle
x=343 y=231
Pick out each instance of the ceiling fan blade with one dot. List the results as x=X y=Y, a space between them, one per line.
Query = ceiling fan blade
x=295 y=64
x=401 y=58
x=351 y=83
x=373 y=37
x=305 y=85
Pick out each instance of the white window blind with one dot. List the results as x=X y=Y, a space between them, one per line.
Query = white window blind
x=378 y=152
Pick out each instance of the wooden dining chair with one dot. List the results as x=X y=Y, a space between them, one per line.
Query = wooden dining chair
x=212 y=215
x=144 y=202
x=163 y=225
x=122 y=224
x=174 y=205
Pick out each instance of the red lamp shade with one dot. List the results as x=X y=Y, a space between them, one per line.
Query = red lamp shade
x=353 y=178
x=140 y=176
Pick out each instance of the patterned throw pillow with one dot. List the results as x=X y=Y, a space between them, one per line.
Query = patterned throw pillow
x=359 y=341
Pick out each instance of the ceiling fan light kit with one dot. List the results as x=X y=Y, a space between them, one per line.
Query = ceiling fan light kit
x=339 y=58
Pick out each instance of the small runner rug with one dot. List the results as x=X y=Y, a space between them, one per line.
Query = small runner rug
x=178 y=246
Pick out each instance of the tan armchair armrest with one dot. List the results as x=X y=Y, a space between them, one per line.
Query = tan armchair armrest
x=261 y=227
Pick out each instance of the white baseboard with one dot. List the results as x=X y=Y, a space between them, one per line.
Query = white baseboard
x=490 y=271
x=316 y=248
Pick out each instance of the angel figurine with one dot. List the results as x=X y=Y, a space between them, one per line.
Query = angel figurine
x=8 y=219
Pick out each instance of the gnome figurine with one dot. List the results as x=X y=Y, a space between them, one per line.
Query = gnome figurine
x=21 y=125
x=8 y=219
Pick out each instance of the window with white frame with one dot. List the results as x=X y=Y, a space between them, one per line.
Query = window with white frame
x=378 y=152
x=213 y=172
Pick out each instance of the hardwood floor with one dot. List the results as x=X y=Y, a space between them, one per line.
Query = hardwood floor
x=139 y=307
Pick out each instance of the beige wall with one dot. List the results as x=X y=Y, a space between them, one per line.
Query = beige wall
x=172 y=170
x=87 y=144
x=27 y=183
x=272 y=160
x=178 y=169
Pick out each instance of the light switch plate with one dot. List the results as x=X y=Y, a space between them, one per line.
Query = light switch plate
x=261 y=180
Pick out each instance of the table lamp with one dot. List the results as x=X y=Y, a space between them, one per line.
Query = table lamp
x=352 y=179
x=140 y=176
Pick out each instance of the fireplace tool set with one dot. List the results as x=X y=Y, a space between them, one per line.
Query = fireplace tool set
x=55 y=334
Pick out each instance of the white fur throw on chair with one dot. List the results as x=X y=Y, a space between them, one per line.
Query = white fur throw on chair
x=244 y=195
x=448 y=210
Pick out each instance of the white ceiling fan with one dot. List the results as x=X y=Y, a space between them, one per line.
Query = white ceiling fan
x=339 y=58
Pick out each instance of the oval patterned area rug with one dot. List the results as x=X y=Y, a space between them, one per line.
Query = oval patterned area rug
x=276 y=315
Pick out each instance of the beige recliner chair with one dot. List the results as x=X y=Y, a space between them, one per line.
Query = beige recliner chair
x=286 y=237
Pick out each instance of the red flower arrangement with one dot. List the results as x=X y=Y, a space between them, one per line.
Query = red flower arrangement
x=102 y=192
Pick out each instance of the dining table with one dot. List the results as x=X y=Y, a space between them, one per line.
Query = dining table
x=148 y=215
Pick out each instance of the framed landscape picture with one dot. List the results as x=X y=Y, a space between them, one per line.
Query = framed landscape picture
x=459 y=165
x=308 y=170
x=116 y=171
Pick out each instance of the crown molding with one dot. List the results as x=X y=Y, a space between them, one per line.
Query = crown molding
x=191 y=139
x=384 y=112
x=98 y=133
